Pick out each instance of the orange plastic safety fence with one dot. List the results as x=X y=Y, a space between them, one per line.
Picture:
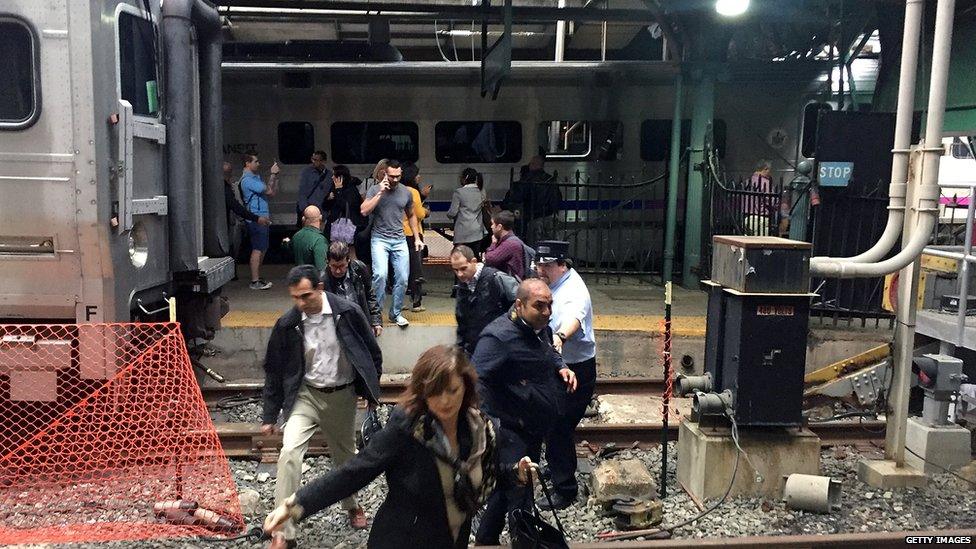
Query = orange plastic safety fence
x=101 y=427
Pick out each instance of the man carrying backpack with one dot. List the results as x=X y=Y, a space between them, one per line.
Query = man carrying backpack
x=483 y=294
x=507 y=252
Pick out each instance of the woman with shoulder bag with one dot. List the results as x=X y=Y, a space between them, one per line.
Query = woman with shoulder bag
x=411 y=180
x=343 y=219
x=439 y=454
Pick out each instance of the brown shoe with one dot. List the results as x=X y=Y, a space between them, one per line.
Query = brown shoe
x=357 y=519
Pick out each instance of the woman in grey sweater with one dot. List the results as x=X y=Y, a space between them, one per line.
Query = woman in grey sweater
x=469 y=228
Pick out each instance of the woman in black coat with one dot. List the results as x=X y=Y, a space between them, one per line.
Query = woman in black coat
x=438 y=452
x=344 y=202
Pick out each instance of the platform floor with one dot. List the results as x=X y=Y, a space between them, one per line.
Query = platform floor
x=629 y=305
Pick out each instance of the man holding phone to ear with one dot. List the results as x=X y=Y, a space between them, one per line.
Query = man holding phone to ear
x=387 y=203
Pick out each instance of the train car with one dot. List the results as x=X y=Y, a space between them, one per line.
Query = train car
x=604 y=128
x=109 y=157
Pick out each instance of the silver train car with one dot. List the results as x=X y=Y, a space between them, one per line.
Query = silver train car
x=595 y=122
x=109 y=157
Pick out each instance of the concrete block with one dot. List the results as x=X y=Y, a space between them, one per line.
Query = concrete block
x=946 y=446
x=251 y=505
x=628 y=477
x=882 y=473
x=706 y=458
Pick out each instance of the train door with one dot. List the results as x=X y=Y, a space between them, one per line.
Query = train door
x=139 y=139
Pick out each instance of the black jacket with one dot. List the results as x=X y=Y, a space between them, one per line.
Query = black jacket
x=358 y=288
x=518 y=375
x=414 y=513
x=493 y=295
x=284 y=364
x=345 y=202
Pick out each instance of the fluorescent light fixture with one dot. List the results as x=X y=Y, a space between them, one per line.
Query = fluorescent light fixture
x=731 y=8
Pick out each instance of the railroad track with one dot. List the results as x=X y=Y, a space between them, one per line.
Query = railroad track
x=807 y=541
x=244 y=440
x=391 y=389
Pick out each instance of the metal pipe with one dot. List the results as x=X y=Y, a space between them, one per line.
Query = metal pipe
x=177 y=29
x=928 y=193
x=964 y=274
x=216 y=241
x=561 y=35
x=903 y=137
x=674 y=167
x=904 y=341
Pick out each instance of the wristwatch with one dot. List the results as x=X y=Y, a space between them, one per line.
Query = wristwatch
x=562 y=336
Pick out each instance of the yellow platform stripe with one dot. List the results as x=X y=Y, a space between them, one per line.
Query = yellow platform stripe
x=682 y=326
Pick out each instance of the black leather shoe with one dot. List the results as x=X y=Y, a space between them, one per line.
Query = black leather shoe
x=559 y=502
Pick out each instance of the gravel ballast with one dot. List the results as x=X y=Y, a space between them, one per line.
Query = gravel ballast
x=943 y=504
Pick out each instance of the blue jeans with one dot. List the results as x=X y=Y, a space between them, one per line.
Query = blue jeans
x=384 y=250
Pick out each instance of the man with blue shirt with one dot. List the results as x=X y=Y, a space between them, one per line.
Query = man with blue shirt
x=572 y=329
x=255 y=194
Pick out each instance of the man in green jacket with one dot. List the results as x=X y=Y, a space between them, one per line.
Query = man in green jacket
x=309 y=244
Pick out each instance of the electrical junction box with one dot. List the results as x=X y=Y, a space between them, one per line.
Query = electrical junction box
x=761 y=264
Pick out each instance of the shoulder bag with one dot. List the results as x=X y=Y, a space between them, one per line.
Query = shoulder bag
x=529 y=530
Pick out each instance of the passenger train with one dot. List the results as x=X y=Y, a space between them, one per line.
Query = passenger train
x=110 y=189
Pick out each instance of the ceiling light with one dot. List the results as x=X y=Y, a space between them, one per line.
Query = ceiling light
x=731 y=8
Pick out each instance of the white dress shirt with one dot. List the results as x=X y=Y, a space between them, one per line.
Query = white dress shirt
x=325 y=360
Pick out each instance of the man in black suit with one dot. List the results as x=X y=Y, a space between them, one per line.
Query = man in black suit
x=322 y=354
x=483 y=294
x=522 y=381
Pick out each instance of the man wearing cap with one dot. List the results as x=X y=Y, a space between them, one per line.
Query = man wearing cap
x=572 y=335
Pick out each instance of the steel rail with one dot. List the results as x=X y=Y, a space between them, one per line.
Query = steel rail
x=391 y=389
x=244 y=440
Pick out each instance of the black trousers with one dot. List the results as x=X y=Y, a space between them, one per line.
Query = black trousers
x=560 y=443
x=513 y=445
x=414 y=286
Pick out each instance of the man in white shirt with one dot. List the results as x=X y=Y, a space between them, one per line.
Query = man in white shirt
x=321 y=354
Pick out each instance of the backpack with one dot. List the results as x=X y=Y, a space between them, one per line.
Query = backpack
x=528 y=257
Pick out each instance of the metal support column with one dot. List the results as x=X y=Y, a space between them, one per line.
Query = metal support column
x=701 y=117
x=674 y=167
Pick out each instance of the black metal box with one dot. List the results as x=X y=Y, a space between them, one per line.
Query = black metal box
x=761 y=264
x=714 y=331
x=764 y=356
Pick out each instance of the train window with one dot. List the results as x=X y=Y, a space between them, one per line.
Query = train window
x=296 y=142
x=478 y=142
x=138 y=82
x=565 y=138
x=20 y=90
x=656 y=138
x=370 y=142
x=811 y=123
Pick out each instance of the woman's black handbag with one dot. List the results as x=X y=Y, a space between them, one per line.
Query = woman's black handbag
x=529 y=530
x=371 y=426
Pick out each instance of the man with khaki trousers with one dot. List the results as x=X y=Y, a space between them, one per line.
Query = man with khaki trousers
x=321 y=355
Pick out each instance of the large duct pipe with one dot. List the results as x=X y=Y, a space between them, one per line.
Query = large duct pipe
x=927 y=194
x=179 y=18
x=903 y=139
x=216 y=241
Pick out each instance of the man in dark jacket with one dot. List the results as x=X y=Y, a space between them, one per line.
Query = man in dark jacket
x=350 y=279
x=522 y=381
x=483 y=294
x=321 y=354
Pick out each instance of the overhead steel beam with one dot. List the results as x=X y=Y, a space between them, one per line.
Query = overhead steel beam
x=327 y=9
